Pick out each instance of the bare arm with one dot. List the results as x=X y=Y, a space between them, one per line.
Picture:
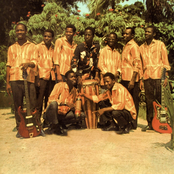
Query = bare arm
x=8 y=87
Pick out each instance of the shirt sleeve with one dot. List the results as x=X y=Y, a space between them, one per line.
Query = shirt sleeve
x=75 y=58
x=101 y=62
x=119 y=63
x=57 y=50
x=165 y=57
x=135 y=53
x=9 y=55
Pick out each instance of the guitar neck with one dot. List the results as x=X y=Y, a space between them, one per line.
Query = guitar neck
x=27 y=97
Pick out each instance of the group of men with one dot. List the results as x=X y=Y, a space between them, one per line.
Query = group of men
x=58 y=72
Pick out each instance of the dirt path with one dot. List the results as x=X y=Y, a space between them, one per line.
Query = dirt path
x=84 y=152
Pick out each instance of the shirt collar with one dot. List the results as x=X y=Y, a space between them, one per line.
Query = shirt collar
x=73 y=43
x=130 y=42
x=43 y=43
x=86 y=46
x=153 y=41
x=28 y=42
x=109 y=48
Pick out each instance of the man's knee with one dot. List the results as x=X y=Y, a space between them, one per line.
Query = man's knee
x=53 y=105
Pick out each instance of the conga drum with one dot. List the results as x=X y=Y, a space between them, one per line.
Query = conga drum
x=90 y=87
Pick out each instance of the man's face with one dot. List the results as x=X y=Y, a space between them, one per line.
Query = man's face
x=149 y=34
x=69 y=34
x=71 y=79
x=88 y=36
x=108 y=82
x=21 y=32
x=127 y=35
x=111 y=40
x=48 y=38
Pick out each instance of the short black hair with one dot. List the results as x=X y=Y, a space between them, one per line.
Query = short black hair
x=153 y=27
x=68 y=72
x=71 y=26
x=91 y=29
x=113 y=34
x=110 y=75
x=132 y=30
x=50 y=31
x=21 y=24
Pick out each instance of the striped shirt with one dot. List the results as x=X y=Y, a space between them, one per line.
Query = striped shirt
x=120 y=99
x=154 y=58
x=61 y=94
x=45 y=61
x=109 y=60
x=17 y=55
x=63 y=53
x=131 y=61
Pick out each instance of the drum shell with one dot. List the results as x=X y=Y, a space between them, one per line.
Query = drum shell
x=90 y=87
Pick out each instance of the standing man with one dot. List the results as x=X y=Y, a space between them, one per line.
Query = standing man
x=21 y=55
x=63 y=52
x=120 y=103
x=110 y=59
x=131 y=67
x=61 y=104
x=154 y=59
x=85 y=59
x=45 y=52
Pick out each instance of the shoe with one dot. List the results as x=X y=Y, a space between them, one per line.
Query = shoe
x=15 y=129
x=109 y=128
x=18 y=135
x=104 y=125
x=123 y=131
x=146 y=128
x=57 y=130
x=45 y=124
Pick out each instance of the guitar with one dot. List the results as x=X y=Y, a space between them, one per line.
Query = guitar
x=161 y=121
x=30 y=125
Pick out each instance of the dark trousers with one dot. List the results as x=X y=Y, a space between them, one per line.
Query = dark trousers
x=152 y=92
x=123 y=117
x=135 y=95
x=53 y=117
x=18 y=92
x=46 y=86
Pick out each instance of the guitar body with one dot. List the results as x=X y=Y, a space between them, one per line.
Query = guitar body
x=30 y=125
x=157 y=125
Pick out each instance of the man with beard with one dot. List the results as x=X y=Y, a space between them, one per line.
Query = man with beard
x=21 y=56
x=120 y=103
x=131 y=67
x=45 y=52
x=85 y=59
x=154 y=59
x=63 y=52
x=61 y=104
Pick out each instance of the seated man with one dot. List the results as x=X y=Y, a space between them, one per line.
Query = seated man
x=119 y=105
x=61 y=104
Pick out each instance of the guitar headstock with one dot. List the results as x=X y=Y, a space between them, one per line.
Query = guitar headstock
x=24 y=74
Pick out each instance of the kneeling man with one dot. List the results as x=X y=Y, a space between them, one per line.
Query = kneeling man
x=61 y=104
x=119 y=104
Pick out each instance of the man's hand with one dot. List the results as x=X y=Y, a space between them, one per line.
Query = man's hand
x=141 y=85
x=24 y=65
x=8 y=89
x=79 y=80
x=131 y=85
x=98 y=79
x=59 y=78
x=165 y=82
x=99 y=112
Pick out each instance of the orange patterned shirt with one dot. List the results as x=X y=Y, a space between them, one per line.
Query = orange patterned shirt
x=109 y=60
x=21 y=54
x=63 y=53
x=45 y=61
x=154 y=58
x=61 y=94
x=131 y=61
x=120 y=99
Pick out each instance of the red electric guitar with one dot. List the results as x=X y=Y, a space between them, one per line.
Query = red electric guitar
x=161 y=121
x=30 y=125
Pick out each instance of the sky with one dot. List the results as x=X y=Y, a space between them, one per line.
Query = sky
x=84 y=9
